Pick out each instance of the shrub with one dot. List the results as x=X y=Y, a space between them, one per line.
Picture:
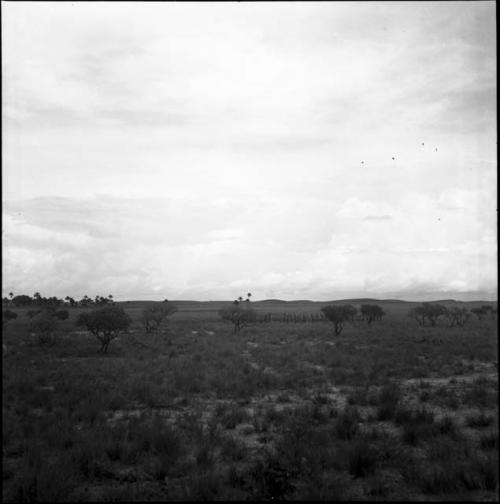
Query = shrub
x=7 y=316
x=479 y=420
x=447 y=426
x=418 y=425
x=62 y=314
x=362 y=458
x=489 y=440
x=346 y=425
x=271 y=478
x=44 y=325
x=389 y=398
x=479 y=312
x=232 y=415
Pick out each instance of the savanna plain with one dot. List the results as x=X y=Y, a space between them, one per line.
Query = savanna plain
x=281 y=409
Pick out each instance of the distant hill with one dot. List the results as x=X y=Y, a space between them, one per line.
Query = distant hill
x=303 y=302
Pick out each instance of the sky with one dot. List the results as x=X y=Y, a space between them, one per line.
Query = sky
x=294 y=150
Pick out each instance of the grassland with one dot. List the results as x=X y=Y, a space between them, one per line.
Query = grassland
x=391 y=411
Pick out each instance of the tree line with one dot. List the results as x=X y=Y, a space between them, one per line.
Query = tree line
x=430 y=313
x=107 y=321
x=23 y=300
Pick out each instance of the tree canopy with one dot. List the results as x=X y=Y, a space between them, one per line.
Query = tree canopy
x=105 y=323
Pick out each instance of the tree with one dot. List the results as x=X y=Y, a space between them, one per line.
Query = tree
x=372 y=312
x=154 y=315
x=85 y=301
x=70 y=301
x=338 y=314
x=239 y=314
x=22 y=300
x=105 y=324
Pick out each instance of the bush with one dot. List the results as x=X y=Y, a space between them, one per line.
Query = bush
x=7 y=316
x=44 y=325
x=346 y=425
x=489 y=441
x=62 y=314
x=417 y=426
x=479 y=420
x=362 y=458
x=389 y=398
x=271 y=479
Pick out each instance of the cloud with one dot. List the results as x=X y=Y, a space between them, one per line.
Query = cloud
x=164 y=149
x=377 y=217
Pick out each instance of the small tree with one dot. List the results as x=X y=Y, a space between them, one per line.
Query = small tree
x=105 y=324
x=338 y=314
x=372 y=312
x=154 y=315
x=239 y=313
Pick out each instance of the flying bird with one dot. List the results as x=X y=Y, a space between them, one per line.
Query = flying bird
x=393 y=159
x=422 y=143
x=362 y=162
x=436 y=149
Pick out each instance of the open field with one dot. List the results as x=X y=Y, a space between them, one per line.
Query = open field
x=391 y=411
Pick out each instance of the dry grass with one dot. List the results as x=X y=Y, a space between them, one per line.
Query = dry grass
x=282 y=410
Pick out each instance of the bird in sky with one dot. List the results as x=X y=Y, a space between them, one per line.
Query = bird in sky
x=436 y=149
x=362 y=162
x=422 y=143
x=393 y=158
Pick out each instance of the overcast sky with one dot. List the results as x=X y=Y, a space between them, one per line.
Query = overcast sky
x=203 y=151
